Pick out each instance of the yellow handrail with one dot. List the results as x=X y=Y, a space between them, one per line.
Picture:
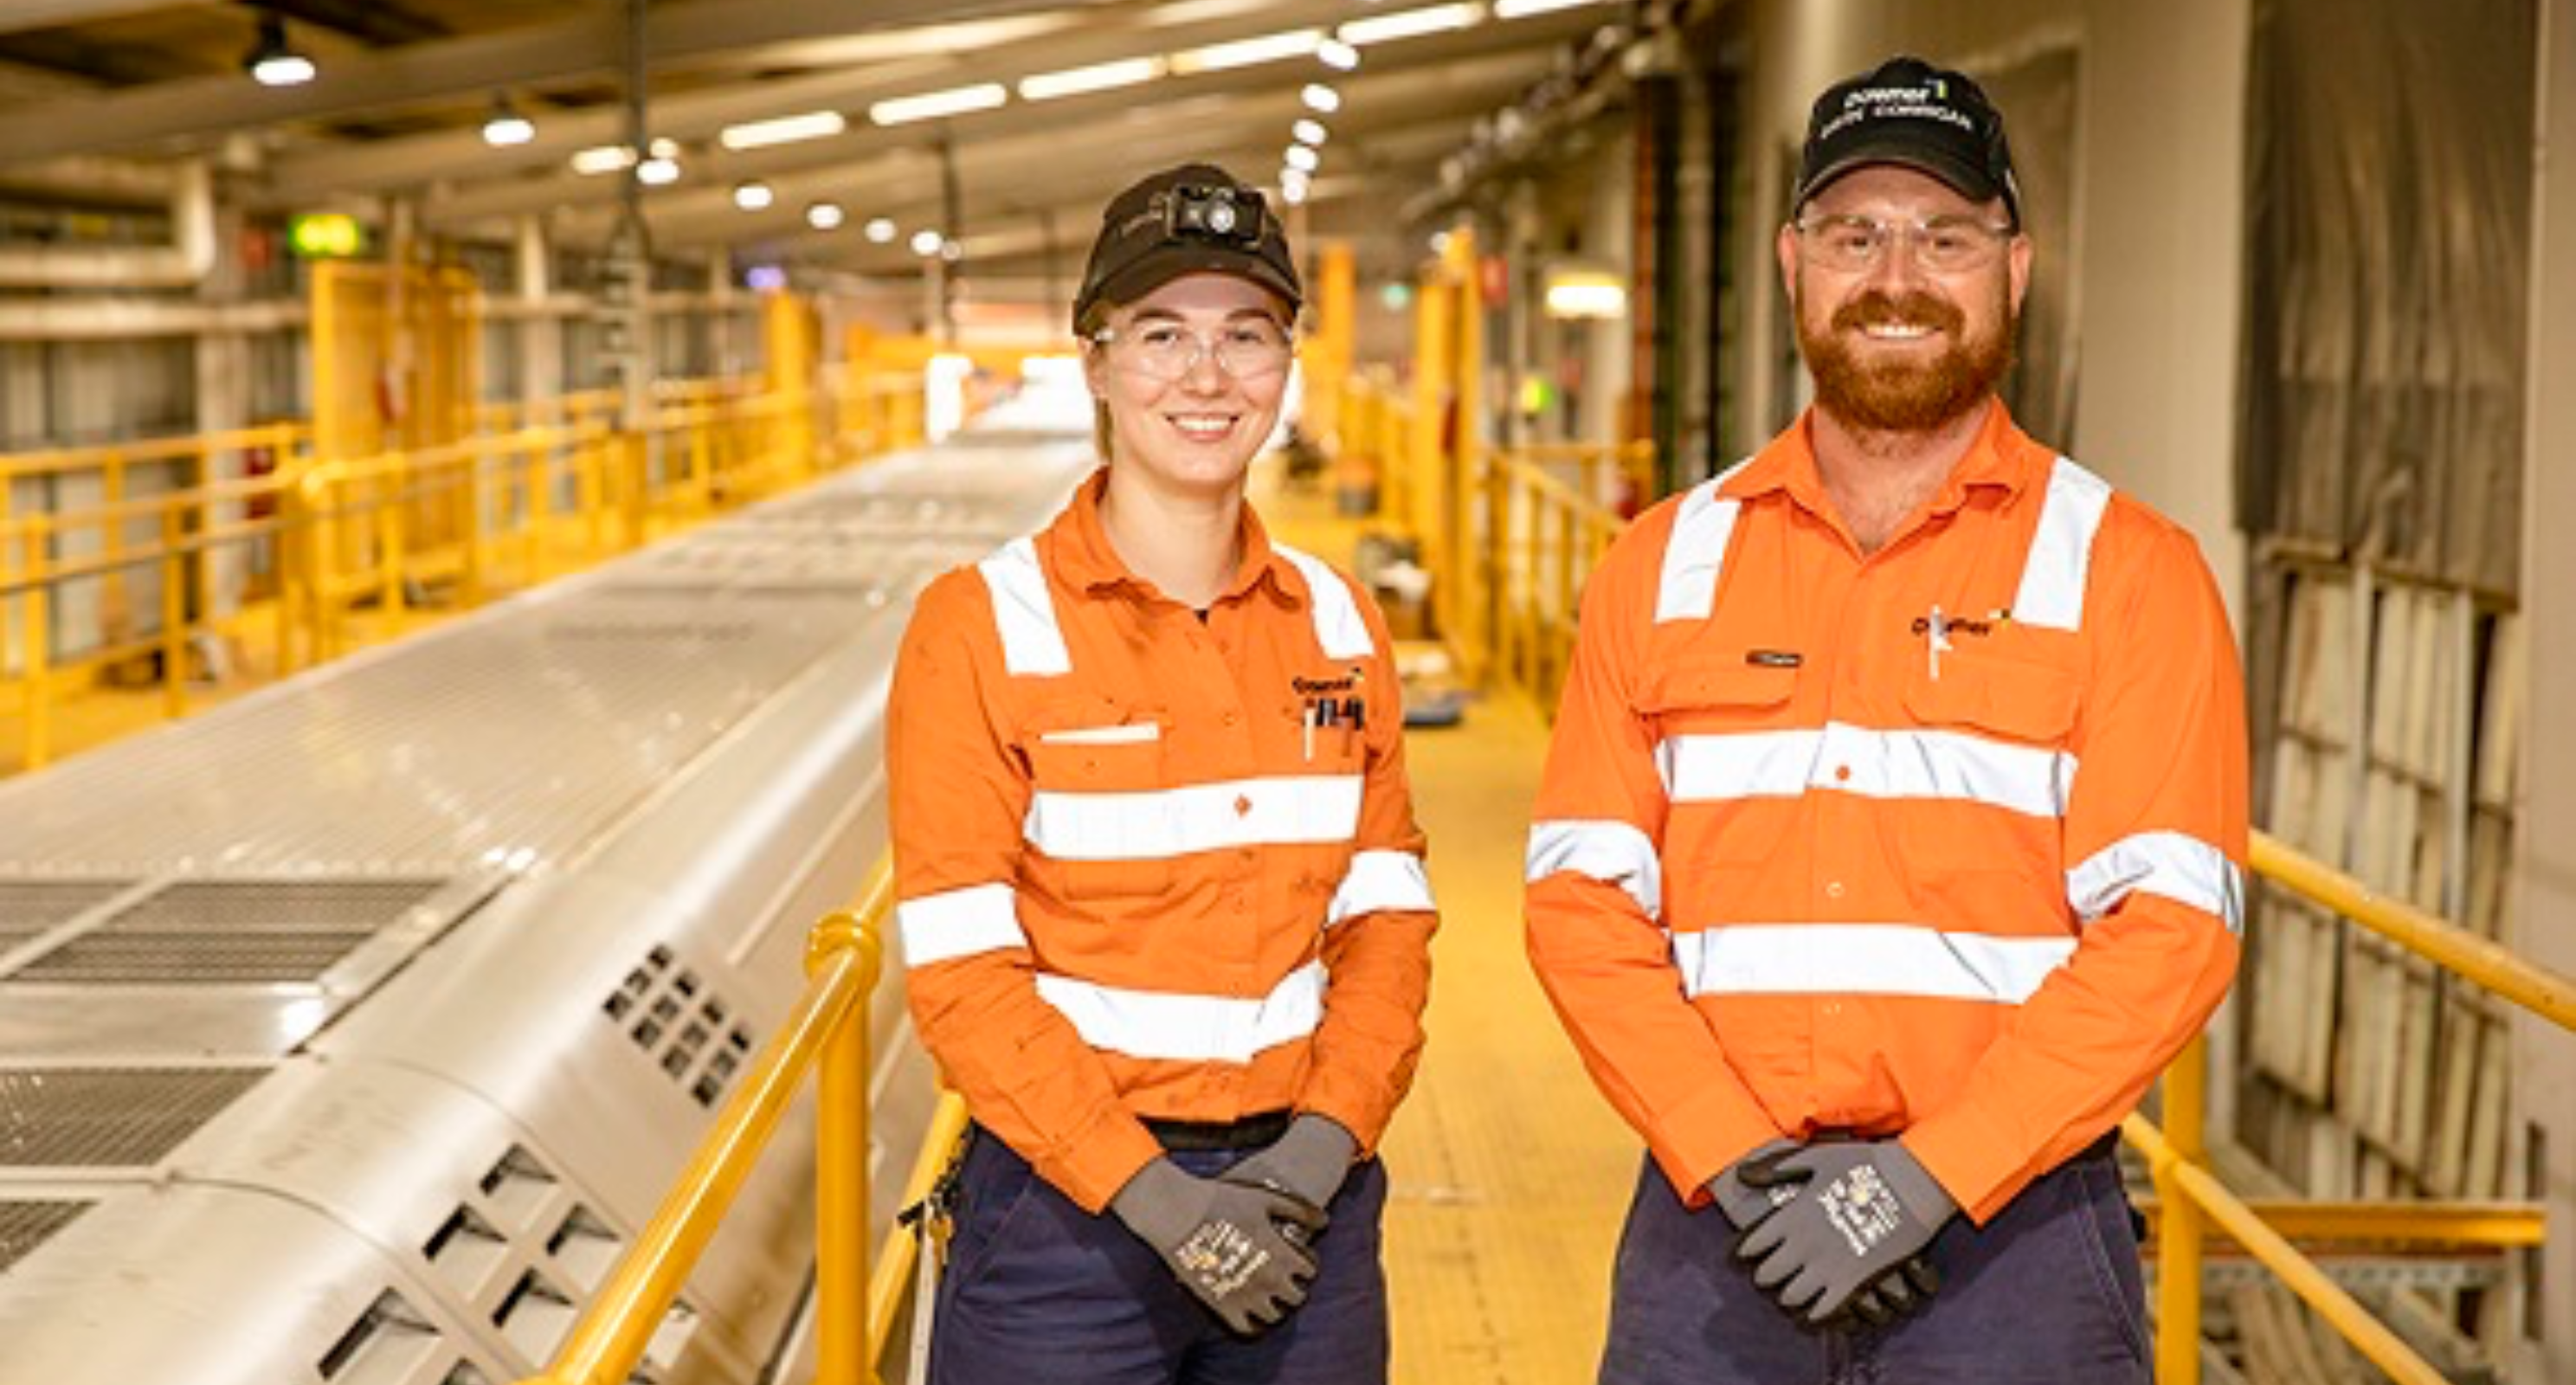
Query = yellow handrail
x=842 y=962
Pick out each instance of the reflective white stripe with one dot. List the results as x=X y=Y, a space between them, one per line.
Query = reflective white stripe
x=1032 y=642
x=1381 y=880
x=1694 y=552
x=959 y=923
x=2052 y=575
x=1131 y=733
x=1612 y=852
x=1156 y=824
x=1881 y=764
x=1338 y=627
x=1191 y=1028
x=1864 y=959
x=2182 y=868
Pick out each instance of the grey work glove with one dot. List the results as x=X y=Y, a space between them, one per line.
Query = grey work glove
x=1224 y=1241
x=1310 y=1161
x=1743 y=1203
x=1866 y=1208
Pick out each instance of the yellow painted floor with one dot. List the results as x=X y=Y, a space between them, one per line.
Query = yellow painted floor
x=1510 y=1174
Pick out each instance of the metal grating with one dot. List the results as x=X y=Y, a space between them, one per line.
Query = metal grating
x=231 y=932
x=29 y=907
x=680 y=1021
x=27 y=1225
x=99 y=1118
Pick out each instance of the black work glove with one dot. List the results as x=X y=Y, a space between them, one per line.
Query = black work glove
x=1743 y=1203
x=1866 y=1209
x=1894 y=1294
x=1309 y=1161
x=1224 y=1241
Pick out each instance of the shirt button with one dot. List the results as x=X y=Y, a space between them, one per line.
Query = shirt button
x=1242 y=806
x=1842 y=772
x=1832 y=1008
x=1833 y=889
x=1230 y=718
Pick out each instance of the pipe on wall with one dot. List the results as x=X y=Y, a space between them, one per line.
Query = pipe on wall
x=181 y=264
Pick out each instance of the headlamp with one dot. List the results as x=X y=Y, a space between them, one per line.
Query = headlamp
x=1226 y=215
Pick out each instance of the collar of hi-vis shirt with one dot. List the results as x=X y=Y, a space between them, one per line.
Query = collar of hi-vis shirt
x=2002 y=456
x=1085 y=558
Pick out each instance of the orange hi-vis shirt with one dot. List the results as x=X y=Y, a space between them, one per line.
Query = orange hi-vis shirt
x=1149 y=867
x=1947 y=841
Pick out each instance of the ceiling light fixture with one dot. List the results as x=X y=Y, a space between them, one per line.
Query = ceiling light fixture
x=753 y=195
x=927 y=243
x=1321 y=99
x=825 y=216
x=1310 y=132
x=1523 y=9
x=983 y=96
x=1077 y=81
x=880 y=230
x=1301 y=158
x=505 y=126
x=1269 y=48
x=659 y=171
x=786 y=129
x=272 y=61
x=1337 y=55
x=1431 y=19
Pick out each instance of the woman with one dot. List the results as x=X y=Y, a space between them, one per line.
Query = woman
x=1160 y=890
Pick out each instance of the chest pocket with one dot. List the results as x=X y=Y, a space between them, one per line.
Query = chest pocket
x=1730 y=756
x=1102 y=815
x=1992 y=846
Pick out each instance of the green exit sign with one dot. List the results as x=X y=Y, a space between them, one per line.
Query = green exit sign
x=327 y=236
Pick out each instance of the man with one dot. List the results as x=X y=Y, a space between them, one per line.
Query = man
x=1893 y=833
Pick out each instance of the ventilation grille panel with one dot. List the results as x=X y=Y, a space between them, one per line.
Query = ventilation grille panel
x=688 y=1031
x=27 y=1225
x=29 y=907
x=231 y=932
x=106 y=1118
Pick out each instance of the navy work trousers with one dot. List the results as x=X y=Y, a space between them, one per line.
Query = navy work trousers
x=2050 y=1292
x=1039 y=1290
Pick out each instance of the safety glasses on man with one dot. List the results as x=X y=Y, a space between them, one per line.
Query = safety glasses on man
x=1248 y=348
x=1942 y=244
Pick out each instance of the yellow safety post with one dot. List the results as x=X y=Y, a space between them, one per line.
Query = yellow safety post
x=1470 y=624
x=393 y=492
x=38 y=745
x=1328 y=359
x=841 y=1157
x=2178 y=1238
x=174 y=616
x=894 y=1274
x=1422 y=466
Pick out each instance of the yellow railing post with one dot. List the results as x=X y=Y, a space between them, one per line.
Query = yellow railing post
x=841 y=1187
x=174 y=617
x=38 y=744
x=2178 y=1245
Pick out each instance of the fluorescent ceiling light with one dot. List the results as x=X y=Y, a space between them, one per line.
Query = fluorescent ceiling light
x=1431 y=19
x=927 y=243
x=1075 y=81
x=786 y=129
x=1293 y=186
x=880 y=230
x=825 y=216
x=1269 y=48
x=754 y=196
x=1585 y=293
x=1301 y=158
x=1310 y=132
x=507 y=127
x=983 y=96
x=1337 y=55
x=661 y=170
x=1522 y=9
x=606 y=158
x=1321 y=98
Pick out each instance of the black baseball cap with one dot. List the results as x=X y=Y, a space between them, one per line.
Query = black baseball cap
x=1911 y=113
x=1196 y=218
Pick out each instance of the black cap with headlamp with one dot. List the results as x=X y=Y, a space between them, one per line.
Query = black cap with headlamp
x=1193 y=219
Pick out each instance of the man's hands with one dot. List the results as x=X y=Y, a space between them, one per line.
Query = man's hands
x=1851 y=1238
x=1310 y=1160
x=1743 y=1203
x=1224 y=1240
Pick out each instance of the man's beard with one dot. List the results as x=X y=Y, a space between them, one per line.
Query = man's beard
x=1899 y=396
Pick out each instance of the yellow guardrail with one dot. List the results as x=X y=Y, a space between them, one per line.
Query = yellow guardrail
x=1523 y=547
x=550 y=487
x=826 y=1033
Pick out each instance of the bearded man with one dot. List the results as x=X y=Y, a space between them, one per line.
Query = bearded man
x=1893 y=835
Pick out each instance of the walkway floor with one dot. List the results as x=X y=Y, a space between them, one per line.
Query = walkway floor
x=1510 y=1172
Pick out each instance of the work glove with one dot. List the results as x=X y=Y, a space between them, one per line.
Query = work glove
x=1223 y=1241
x=1309 y=1160
x=1866 y=1208
x=1889 y=1297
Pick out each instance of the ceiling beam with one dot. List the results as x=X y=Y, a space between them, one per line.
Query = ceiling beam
x=199 y=108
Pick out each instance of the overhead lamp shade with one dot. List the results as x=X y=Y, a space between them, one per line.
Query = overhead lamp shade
x=272 y=61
